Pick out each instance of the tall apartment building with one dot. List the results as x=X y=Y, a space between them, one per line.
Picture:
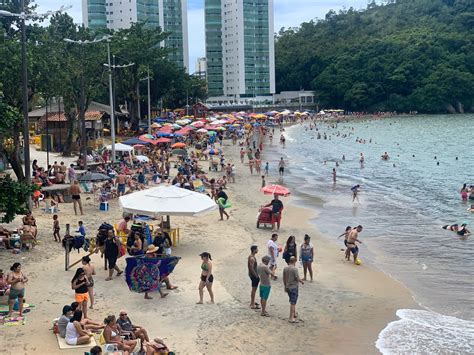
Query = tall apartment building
x=240 y=48
x=170 y=15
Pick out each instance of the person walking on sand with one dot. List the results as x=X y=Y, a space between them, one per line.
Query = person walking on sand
x=352 y=238
x=307 y=257
x=112 y=244
x=254 y=279
x=75 y=192
x=264 y=274
x=17 y=281
x=273 y=252
x=56 y=229
x=90 y=272
x=222 y=203
x=290 y=281
x=206 y=277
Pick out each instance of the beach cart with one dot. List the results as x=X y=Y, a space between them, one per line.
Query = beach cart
x=264 y=216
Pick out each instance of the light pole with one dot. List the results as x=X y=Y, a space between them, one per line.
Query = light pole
x=24 y=70
x=111 y=96
x=149 y=100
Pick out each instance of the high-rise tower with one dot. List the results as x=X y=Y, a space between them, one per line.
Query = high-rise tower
x=240 y=48
x=170 y=15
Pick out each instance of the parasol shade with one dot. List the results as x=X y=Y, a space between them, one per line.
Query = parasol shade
x=275 y=190
x=167 y=201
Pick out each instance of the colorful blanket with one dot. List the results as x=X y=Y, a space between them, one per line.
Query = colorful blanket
x=145 y=274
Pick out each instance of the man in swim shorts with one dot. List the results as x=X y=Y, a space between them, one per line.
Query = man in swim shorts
x=255 y=280
x=281 y=167
x=264 y=274
x=351 y=241
x=121 y=183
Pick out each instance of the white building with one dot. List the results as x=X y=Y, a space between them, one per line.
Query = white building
x=170 y=15
x=240 y=48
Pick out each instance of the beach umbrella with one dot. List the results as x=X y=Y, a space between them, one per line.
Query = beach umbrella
x=176 y=126
x=138 y=146
x=120 y=147
x=197 y=124
x=202 y=130
x=275 y=190
x=135 y=141
x=155 y=125
x=213 y=151
x=93 y=177
x=179 y=152
x=163 y=140
x=167 y=201
x=211 y=133
x=148 y=138
x=178 y=145
x=182 y=131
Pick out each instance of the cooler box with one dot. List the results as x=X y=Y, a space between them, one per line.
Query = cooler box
x=104 y=206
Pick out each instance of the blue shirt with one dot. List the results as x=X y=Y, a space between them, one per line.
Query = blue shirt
x=82 y=230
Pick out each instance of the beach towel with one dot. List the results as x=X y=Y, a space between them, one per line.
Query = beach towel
x=13 y=321
x=145 y=274
x=65 y=346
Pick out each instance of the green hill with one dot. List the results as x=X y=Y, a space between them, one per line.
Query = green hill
x=403 y=55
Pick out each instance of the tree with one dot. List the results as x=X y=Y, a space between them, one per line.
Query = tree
x=14 y=197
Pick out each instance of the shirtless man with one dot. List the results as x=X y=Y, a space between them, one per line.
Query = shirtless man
x=252 y=267
x=352 y=238
x=75 y=191
x=121 y=181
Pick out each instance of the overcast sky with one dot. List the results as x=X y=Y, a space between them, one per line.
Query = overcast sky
x=288 y=13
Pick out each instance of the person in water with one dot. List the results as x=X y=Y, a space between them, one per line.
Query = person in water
x=385 y=156
x=463 y=231
x=355 y=192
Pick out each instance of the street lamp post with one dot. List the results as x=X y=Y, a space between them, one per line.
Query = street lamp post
x=24 y=73
x=111 y=97
x=149 y=100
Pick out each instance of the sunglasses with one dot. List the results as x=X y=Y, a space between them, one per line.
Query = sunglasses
x=123 y=315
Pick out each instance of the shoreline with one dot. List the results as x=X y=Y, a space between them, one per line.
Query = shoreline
x=343 y=299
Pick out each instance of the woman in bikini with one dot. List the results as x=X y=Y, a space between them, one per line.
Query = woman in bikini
x=17 y=280
x=112 y=336
x=206 y=277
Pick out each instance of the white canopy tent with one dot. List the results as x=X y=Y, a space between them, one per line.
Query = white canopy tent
x=120 y=147
x=167 y=201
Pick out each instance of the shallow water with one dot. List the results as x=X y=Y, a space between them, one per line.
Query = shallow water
x=402 y=207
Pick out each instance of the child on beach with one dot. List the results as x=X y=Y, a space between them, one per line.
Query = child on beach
x=267 y=168
x=56 y=228
x=263 y=181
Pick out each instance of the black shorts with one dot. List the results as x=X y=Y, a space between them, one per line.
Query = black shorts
x=204 y=277
x=281 y=170
x=76 y=197
x=255 y=281
x=112 y=260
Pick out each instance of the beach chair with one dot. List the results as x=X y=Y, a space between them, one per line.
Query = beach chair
x=87 y=187
x=50 y=209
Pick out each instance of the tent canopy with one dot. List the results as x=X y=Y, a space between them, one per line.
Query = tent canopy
x=119 y=147
x=167 y=201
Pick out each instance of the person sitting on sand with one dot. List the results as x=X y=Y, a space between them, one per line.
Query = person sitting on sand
x=137 y=247
x=4 y=285
x=75 y=333
x=157 y=346
x=112 y=336
x=64 y=319
x=87 y=324
x=5 y=237
x=125 y=324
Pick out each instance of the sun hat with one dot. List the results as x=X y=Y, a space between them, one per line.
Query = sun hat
x=151 y=249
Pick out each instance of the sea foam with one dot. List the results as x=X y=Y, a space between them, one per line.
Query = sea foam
x=426 y=332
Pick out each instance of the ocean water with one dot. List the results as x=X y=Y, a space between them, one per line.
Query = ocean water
x=403 y=204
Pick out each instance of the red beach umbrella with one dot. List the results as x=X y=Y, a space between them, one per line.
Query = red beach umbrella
x=178 y=145
x=275 y=190
x=163 y=140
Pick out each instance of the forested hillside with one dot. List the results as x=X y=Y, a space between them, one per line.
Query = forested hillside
x=404 y=55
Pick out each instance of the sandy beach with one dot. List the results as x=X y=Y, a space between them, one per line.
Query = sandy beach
x=342 y=311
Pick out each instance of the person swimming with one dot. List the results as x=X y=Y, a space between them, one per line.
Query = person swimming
x=452 y=228
x=385 y=156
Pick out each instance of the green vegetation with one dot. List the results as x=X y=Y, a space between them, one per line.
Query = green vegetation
x=14 y=197
x=404 y=55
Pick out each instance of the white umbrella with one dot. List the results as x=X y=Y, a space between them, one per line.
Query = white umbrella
x=120 y=147
x=167 y=201
x=142 y=158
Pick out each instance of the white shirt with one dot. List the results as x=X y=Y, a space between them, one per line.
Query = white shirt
x=272 y=244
